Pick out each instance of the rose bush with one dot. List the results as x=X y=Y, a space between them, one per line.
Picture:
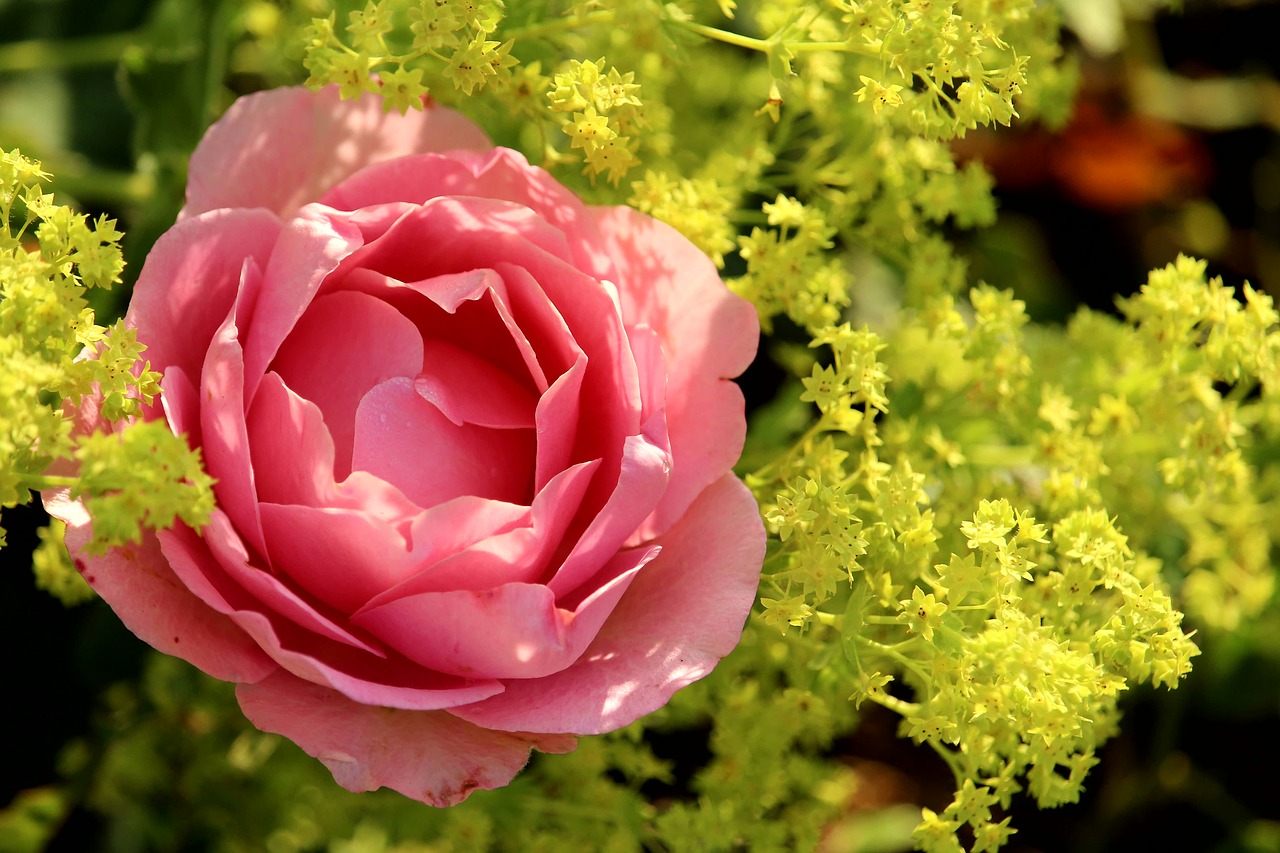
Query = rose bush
x=472 y=442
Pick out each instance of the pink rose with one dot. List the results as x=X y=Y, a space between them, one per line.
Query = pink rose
x=472 y=442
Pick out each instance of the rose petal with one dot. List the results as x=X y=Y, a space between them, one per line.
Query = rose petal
x=238 y=163
x=406 y=441
x=377 y=679
x=642 y=478
x=374 y=221
x=461 y=309
x=682 y=613
x=228 y=550
x=451 y=291
x=511 y=631
x=415 y=179
x=293 y=460
x=464 y=234
x=651 y=364
x=557 y=418
x=309 y=248
x=540 y=320
x=708 y=336
x=190 y=280
x=469 y=233
x=460 y=523
x=468 y=389
x=511 y=554
x=180 y=402
x=343 y=557
x=290 y=447
x=428 y=756
x=343 y=345
x=224 y=434
x=395 y=683
x=500 y=173
x=610 y=386
x=141 y=588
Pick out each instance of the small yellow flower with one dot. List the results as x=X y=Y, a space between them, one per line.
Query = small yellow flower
x=881 y=95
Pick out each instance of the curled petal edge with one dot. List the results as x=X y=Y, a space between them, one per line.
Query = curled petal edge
x=430 y=756
x=681 y=615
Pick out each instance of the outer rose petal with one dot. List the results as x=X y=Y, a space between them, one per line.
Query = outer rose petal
x=708 y=335
x=498 y=174
x=190 y=281
x=285 y=147
x=427 y=755
x=384 y=681
x=681 y=615
x=144 y=592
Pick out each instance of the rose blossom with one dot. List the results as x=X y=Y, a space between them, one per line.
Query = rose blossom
x=472 y=442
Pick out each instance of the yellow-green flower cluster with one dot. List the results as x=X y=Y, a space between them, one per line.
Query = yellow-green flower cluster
x=789 y=270
x=1027 y=680
x=953 y=515
x=699 y=208
x=384 y=45
x=964 y=54
x=1165 y=415
x=603 y=109
x=405 y=50
x=53 y=350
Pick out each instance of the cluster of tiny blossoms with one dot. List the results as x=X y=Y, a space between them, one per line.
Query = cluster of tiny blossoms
x=1192 y=406
x=375 y=56
x=53 y=351
x=404 y=50
x=604 y=110
x=793 y=249
x=955 y=520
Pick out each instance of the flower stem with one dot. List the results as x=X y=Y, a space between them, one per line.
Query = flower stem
x=765 y=45
x=44 y=482
x=833 y=620
x=38 y=54
x=569 y=22
x=105 y=185
x=736 y=39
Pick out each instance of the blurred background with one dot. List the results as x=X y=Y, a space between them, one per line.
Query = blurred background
x=1173 y=148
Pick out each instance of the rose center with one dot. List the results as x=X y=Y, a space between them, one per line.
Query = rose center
x=408 y=433
x=427 y=416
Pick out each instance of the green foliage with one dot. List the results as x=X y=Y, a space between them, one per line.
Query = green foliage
x=54 y=572
x=173 y=765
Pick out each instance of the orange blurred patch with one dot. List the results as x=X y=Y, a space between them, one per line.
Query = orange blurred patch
x=1126 y=161
x=1103 y=160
